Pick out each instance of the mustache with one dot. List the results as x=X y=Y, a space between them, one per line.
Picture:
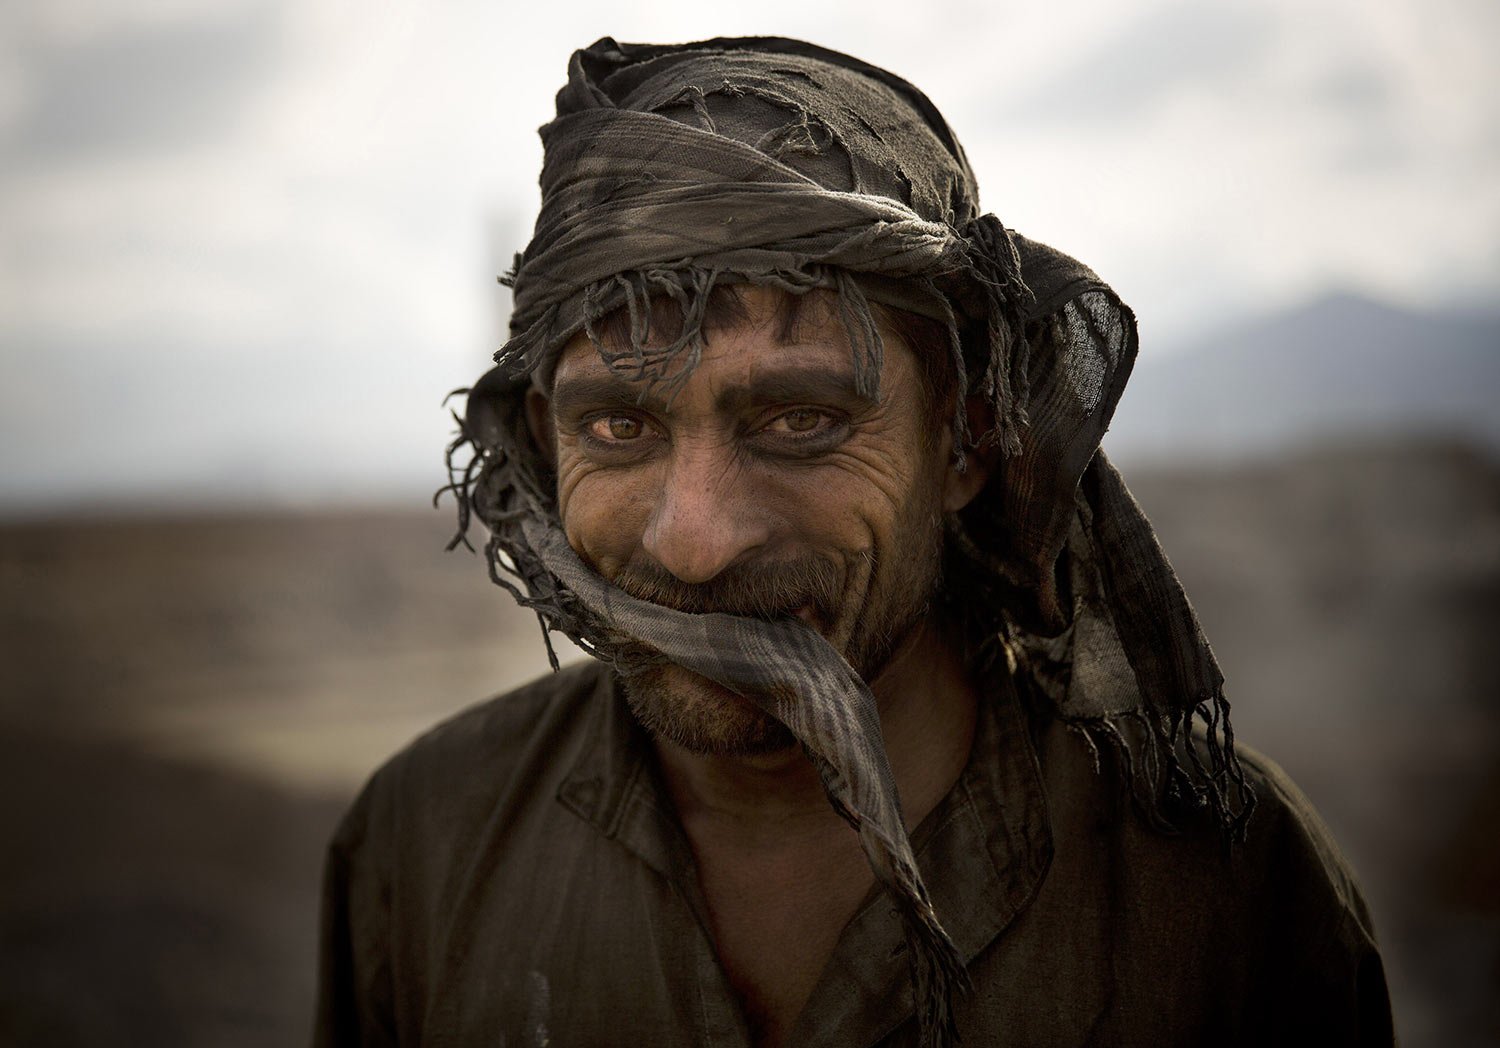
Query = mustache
x=756 y=589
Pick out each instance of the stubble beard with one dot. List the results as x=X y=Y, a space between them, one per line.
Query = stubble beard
x=702 y=717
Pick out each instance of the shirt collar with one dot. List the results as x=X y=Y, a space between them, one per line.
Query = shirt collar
x=615 y=785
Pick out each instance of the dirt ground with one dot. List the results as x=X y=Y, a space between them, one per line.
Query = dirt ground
x=187 y=704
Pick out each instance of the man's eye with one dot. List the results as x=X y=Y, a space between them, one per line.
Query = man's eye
x=616 y=427
x=800 y=420
x=802 y=433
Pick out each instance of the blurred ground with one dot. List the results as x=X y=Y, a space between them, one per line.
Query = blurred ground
x=187 y=704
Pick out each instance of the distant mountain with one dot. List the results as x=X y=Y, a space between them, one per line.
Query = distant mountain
x=1342 y=368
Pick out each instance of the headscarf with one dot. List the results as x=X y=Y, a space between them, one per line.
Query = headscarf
x=670 y=169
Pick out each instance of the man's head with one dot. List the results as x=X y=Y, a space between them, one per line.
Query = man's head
x=765 y=483
x=681 y=178
x=704 y=200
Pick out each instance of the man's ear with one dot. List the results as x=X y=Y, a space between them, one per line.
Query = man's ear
x=539 y=422
x=960 y=487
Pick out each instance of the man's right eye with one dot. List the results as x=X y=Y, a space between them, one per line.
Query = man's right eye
x=616 y=428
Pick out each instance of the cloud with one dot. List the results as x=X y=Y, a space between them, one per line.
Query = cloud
x=1357 y=89
x=145 y=86
x=1149 y=60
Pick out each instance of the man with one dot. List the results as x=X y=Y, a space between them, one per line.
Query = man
x=891 y=737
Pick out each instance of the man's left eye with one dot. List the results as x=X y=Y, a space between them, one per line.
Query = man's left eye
x=800 y=420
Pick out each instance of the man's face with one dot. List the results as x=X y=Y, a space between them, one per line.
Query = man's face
x=765 y=486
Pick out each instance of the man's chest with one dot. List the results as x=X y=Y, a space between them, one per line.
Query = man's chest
x=583 y=942
x=775 y=922
x=597 y=953
x=598 y=950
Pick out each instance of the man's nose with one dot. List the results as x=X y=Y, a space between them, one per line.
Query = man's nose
x=706 y=518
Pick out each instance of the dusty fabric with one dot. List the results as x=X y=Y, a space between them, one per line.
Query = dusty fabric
x=518 y=877
x=671 y=169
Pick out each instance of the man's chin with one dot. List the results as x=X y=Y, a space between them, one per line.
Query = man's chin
x=702 y=717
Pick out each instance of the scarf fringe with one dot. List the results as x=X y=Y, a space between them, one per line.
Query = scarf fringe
x=937 y=973
x=995 y=266
x=669 y=363
x=987 y=262
x=1160 y=763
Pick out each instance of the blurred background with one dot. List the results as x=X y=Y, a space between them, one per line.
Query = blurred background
x=246 y=246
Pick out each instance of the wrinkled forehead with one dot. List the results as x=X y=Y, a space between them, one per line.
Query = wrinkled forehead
x=757 y=356
x=834 y=125
x=746 y=326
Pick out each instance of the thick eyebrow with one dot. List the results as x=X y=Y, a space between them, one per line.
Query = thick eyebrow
x=602 y=391
x=791 y=386
x=788 y=385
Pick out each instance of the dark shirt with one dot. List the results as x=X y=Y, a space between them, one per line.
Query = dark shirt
x=518 y=877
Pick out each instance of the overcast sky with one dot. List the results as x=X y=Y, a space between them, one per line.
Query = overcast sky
x=245 y=247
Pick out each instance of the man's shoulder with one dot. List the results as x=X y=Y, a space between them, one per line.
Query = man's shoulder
x=1288 y=857
x=1281 y=801
x=464 y=765
x=1287 y=867
x=1293 y=838
x=491 y=733
x=1275 y=921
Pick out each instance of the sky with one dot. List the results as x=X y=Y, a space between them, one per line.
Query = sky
x=246 y=246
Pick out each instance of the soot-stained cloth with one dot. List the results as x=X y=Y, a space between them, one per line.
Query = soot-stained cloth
x=670 y=170
x=517 y=877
